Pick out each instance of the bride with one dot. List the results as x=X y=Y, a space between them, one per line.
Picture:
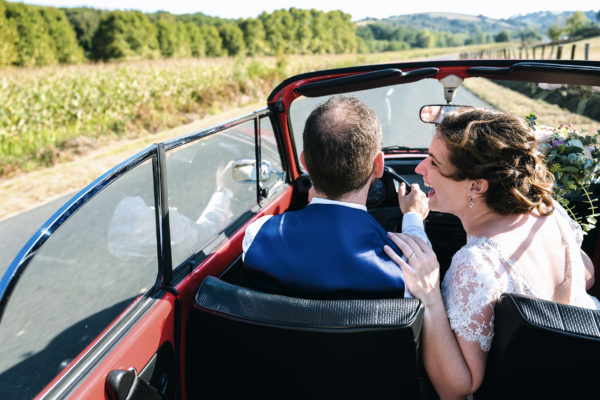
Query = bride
x=484 y=168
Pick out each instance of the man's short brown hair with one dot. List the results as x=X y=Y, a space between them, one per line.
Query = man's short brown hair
x=341 y=139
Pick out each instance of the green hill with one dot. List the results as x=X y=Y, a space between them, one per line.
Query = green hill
x=449 y=22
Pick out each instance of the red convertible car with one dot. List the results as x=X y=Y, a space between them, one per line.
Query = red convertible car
x=134 y=289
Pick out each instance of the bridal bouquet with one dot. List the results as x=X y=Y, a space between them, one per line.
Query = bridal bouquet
x=574 y=160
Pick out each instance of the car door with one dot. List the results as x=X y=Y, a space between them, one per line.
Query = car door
x=96 y=300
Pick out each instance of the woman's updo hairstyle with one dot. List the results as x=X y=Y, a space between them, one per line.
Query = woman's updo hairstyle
x=500 y=148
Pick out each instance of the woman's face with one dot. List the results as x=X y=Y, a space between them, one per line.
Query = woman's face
x=446 y=195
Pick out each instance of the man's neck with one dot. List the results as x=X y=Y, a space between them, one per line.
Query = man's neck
x=357 y=197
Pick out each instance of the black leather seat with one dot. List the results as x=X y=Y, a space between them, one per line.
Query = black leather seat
x=542 y=350
x=242 y=343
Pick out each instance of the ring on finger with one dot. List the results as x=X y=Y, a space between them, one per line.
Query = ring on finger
x=411 y=256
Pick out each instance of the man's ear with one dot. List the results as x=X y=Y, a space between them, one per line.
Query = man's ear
x=303 y=161
x=478 y=187
x=378 y=165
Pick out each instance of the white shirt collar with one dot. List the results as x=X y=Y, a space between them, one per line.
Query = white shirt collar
x=319 y=200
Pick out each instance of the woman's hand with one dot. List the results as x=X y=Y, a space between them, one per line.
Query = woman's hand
x=421 y=269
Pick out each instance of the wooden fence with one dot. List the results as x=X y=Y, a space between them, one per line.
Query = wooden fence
x=556 y=51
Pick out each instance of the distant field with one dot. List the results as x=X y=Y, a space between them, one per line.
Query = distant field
x=510 y=101
x=49 y=114
x=515 y=48
x=548 y=114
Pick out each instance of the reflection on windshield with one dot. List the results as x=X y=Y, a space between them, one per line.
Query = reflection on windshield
x=132 y=235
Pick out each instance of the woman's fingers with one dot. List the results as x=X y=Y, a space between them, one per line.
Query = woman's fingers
x=425 y=247
x=394 y=256
x=407 y=270
x=421 y=268
x=412 y=243
x=405 y=242
x=407 y=248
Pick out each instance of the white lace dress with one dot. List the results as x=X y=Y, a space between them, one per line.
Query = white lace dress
x=480 y=273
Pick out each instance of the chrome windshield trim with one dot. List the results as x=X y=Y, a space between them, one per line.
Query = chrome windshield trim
x=191 y=137
x=161 y=210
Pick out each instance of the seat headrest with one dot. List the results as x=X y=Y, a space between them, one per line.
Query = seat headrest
x=236 y=302
x=540 y=349
x=559 y=318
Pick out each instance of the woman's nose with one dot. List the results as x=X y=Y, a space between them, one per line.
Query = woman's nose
x=420 y=169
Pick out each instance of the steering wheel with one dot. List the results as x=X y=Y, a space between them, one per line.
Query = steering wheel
x=394 y=175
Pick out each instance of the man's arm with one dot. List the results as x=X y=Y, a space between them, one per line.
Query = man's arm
x=412 y=224
x=415 y=208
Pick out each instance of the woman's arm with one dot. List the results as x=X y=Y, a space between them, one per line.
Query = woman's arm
x=454 y=366
x=589 y=270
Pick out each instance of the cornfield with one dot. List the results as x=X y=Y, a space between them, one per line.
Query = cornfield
x=48 y=114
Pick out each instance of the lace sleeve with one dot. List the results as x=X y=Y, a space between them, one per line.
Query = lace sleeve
x=470 y=290
x=575 y=227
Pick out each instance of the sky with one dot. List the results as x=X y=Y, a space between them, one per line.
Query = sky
x=358 y=9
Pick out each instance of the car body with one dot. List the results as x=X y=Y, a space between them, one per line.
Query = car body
x=108 y=282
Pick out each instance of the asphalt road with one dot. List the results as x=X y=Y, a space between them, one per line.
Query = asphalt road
x=16 y=231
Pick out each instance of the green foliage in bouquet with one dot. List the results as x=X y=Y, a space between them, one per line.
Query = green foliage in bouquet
x=574 y=160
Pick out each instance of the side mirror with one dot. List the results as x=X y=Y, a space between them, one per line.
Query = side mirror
x=435 y=113
x=244 y=170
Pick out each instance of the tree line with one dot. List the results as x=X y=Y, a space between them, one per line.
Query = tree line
x=382 y=36
x=577 y=26
x=424 y=31
x=33 y=35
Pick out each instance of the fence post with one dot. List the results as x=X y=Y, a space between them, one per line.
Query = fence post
x=587 y=51
x=573 y=52
x=520 y=52
x=558 y=51
x=533 y=53
x=543 y=50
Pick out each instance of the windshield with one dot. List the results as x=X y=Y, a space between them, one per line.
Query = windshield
x=397 y=108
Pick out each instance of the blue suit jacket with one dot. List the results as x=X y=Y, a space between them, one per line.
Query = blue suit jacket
x=323 y=251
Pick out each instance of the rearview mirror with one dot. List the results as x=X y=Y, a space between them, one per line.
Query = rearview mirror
x=244 y=170
x=435 y=113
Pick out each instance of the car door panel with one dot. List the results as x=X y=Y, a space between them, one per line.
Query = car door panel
x=136 y=348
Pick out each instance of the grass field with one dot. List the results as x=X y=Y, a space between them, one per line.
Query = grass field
x=548 y=114
x=510 y=101
x=51 y=114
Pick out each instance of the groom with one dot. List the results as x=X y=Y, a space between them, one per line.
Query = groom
x=333 y=248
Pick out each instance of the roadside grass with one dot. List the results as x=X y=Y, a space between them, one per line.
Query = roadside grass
x=514 y=48
x=594 y=52
x=53 y=114
x=508 y=100
x=24 y=191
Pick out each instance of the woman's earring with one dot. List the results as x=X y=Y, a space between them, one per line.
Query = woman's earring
x=471 y=204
